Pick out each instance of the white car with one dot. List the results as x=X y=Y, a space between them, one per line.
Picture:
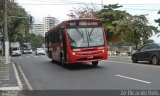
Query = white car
x=16 y=52
x=40 y=51
x=27 y=51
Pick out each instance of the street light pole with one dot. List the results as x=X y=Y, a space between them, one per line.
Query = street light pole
x=6 y=39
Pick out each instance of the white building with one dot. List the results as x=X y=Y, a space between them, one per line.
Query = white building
x=38 y=29
x=49 y=22
x=42 y=28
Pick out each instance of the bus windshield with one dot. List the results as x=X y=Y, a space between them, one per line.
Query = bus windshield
x=85 y=37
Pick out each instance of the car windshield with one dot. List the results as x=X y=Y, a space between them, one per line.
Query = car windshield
x=14 y=49
x=85 y=37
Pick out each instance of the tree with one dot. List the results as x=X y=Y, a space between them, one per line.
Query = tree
x=123 y=26
x=138 y=30
x=36 y=41
x=158 y=20
x=112 y=20
x=17 y=27
x=86 y=12
x=126 y=28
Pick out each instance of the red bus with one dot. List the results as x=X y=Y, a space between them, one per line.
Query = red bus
x=77 y=41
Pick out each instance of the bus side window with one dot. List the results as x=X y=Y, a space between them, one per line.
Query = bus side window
x=58 y=35
x=52 y=37
x=62 y=34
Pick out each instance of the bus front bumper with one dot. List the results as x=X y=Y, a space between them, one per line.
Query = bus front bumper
x=80 y=58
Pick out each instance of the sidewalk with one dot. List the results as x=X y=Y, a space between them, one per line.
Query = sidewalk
x=7 y=76
x=112 y=56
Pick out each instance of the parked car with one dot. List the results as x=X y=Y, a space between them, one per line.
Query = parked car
x=15 y=52
x=40 y=51
x=150 y=52
x=15 y=49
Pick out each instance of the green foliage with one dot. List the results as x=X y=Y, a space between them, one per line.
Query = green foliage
x=36 y=41
x=126 y=28
x=112 y=20
x=138 y=30
x=19 y=23
x=147 y=41
x=17 y=26
x=158 y=20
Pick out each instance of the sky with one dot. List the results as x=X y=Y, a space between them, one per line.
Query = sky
x=60 y=8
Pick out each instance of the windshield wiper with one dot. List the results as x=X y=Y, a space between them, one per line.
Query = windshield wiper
x=81 y=34
x=89 y=34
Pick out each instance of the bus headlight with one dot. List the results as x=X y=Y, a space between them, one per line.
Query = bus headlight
x=73 y=53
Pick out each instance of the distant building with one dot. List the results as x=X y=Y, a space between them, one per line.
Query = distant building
x=42 y=28
x=49 y=22
x=38 y=29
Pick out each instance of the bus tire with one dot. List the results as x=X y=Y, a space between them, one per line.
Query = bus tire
x=95 y=63
x=53 y=61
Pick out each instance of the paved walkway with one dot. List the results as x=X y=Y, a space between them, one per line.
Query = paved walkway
x=7 y=75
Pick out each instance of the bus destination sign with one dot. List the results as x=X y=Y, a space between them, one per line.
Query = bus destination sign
x=83 y=23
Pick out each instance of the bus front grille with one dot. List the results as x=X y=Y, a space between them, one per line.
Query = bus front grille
x=94 y=58
x=89 y=53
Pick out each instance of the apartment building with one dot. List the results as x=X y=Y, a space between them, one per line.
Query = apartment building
x=49 y=22
x=42 y=28
x=38 y=29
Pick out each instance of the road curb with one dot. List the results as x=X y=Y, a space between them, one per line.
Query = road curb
x=129 y=57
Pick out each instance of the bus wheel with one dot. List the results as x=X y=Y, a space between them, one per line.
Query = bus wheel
x=95 y=63
x=53 y=61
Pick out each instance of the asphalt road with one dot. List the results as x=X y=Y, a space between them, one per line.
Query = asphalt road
x=113 y=74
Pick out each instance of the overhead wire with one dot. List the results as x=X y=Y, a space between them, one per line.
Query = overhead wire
x=58 y=2
x=70 y=2
x=75 y=2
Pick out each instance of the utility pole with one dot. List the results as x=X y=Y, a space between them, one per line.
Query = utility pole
x=6 y=39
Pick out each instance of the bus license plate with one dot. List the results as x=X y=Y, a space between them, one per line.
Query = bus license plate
x=89 y=57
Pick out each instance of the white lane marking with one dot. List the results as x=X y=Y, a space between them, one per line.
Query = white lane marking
x=25 y=78
x=134 y=79
x=10 y=88
x=17 y=77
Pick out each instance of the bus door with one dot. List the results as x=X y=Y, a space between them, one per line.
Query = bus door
x=64 y=44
